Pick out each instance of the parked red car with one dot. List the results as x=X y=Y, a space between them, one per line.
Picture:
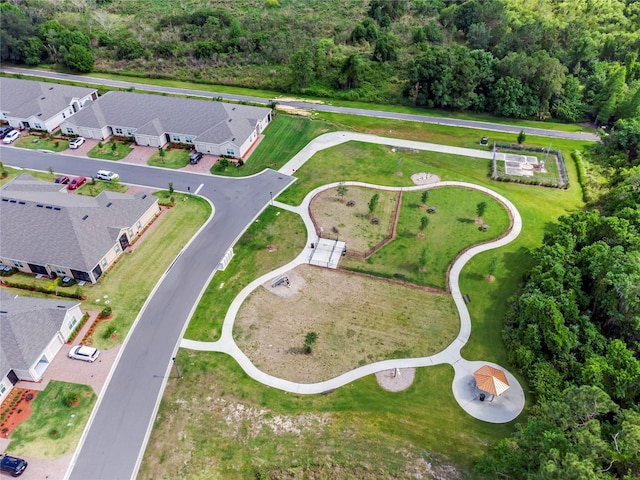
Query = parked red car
x=77 y=183
x=62 y=179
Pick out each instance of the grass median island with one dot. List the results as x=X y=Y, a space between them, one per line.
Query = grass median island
x=422 y=255
x=236 y=428
x=38 y=142
x=60 y=413
x=274 y=239
x=353 y=329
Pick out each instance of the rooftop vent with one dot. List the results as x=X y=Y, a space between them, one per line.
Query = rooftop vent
x=233 y=108
x=144 y=196
x=39 y=205
x=109 y=204
x=48 y=207
x=85 y=217
x=42 y=98
x=50 y=88
x=22 y=203
x=3 y=311
x=56 y=208
x=40 y=114
x=230 y=119
x=5 y=199
x=13 y=201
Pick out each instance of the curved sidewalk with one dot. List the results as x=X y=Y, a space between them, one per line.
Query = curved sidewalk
x=509 y=405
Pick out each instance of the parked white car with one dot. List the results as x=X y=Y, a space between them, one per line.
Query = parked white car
x=107 y=175
x=82 y=352
x=11 y=136
x=76 y=142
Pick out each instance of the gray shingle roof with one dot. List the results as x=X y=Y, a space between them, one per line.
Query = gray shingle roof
x=23 y=98
x=207 y=121
x=42 y=225
x=27 y=325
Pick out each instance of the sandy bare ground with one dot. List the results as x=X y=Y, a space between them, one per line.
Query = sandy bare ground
x=397 y=379
x=359 y=320
x=348 y=218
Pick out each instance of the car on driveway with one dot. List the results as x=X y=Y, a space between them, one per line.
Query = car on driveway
x=5 y=130
x=195 y=157
x=11 y=136
x=85 y=353
x=77 y=183
x=76 y=142
x=62 y=179
x=107 y=175
x=13 y=465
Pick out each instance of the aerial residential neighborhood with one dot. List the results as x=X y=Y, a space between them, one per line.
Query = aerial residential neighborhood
x=376 y=240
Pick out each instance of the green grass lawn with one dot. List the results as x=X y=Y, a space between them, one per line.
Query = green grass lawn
x=280 y=228
x=54 y=428
x=451 y=229
x=97 y=187
x=106 y=151
x=36 y=142
x=174 y=158
x=358 y=431
x=283 y=138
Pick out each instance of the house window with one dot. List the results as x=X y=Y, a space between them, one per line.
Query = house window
x=69 y=130
x=189 y=139
x=60 y=270
x=176 y=138
x=2 y=389
x=231 y=152
x=118 y=131
x=139 y=225
x=18 y=264
x=38 y=126
x=130 y=231
x=117 y=249
x=64 y=115
x=103 y=263
x=129 y=131
x=72 y=322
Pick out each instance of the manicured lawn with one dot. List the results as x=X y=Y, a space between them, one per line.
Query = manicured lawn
x=281 y=229
x=95 y=188
x=174 y=158
x=106 y=151
x=36 y=142
x=358 y=431
x=54 y=428
x=283 y=138
x=451 y=229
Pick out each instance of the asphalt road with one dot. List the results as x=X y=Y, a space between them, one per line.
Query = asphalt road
x=117 y=436
x=496 y=127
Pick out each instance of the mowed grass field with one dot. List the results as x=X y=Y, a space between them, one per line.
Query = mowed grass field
x=354 y=329
x=423 y=256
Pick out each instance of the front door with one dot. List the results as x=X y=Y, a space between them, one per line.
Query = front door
x=124 y=241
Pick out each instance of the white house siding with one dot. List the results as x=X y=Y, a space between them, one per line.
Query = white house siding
x=5 y=388
x=71 y=321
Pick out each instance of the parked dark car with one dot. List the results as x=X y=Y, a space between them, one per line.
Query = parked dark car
x=5 y=130
x=195 y=157
x=13 y=465
x=62 y=179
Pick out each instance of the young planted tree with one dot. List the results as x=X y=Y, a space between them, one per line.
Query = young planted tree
x=522 y=137
x=161 y=152
x=423 y=260
x=424 y=197
x=342 y=190
x=373 y=203
x=481 y=208
x=424 y=222
x=170 y=188
x=309 y=341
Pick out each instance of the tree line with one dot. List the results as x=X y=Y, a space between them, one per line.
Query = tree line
x=570 y=60
x=573 y=330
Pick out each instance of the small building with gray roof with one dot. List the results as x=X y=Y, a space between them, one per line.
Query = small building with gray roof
x=217 y=128
x=45 y=230
x=32 y=332
x=41 y=105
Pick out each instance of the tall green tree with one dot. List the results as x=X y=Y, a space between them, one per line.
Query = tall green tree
x=301 y=68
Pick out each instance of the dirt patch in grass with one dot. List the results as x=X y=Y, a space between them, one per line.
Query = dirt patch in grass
x=347 y=216
x=397 y=379
x=390 y=321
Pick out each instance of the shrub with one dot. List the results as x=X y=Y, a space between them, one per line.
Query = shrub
x=110 y=330
x=106 y=311
x=71 y=399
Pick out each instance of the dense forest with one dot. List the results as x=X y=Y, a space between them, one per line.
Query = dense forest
x=573 y=329
x=570 y=60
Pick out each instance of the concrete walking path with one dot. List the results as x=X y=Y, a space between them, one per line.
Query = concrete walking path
x=506 y=408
